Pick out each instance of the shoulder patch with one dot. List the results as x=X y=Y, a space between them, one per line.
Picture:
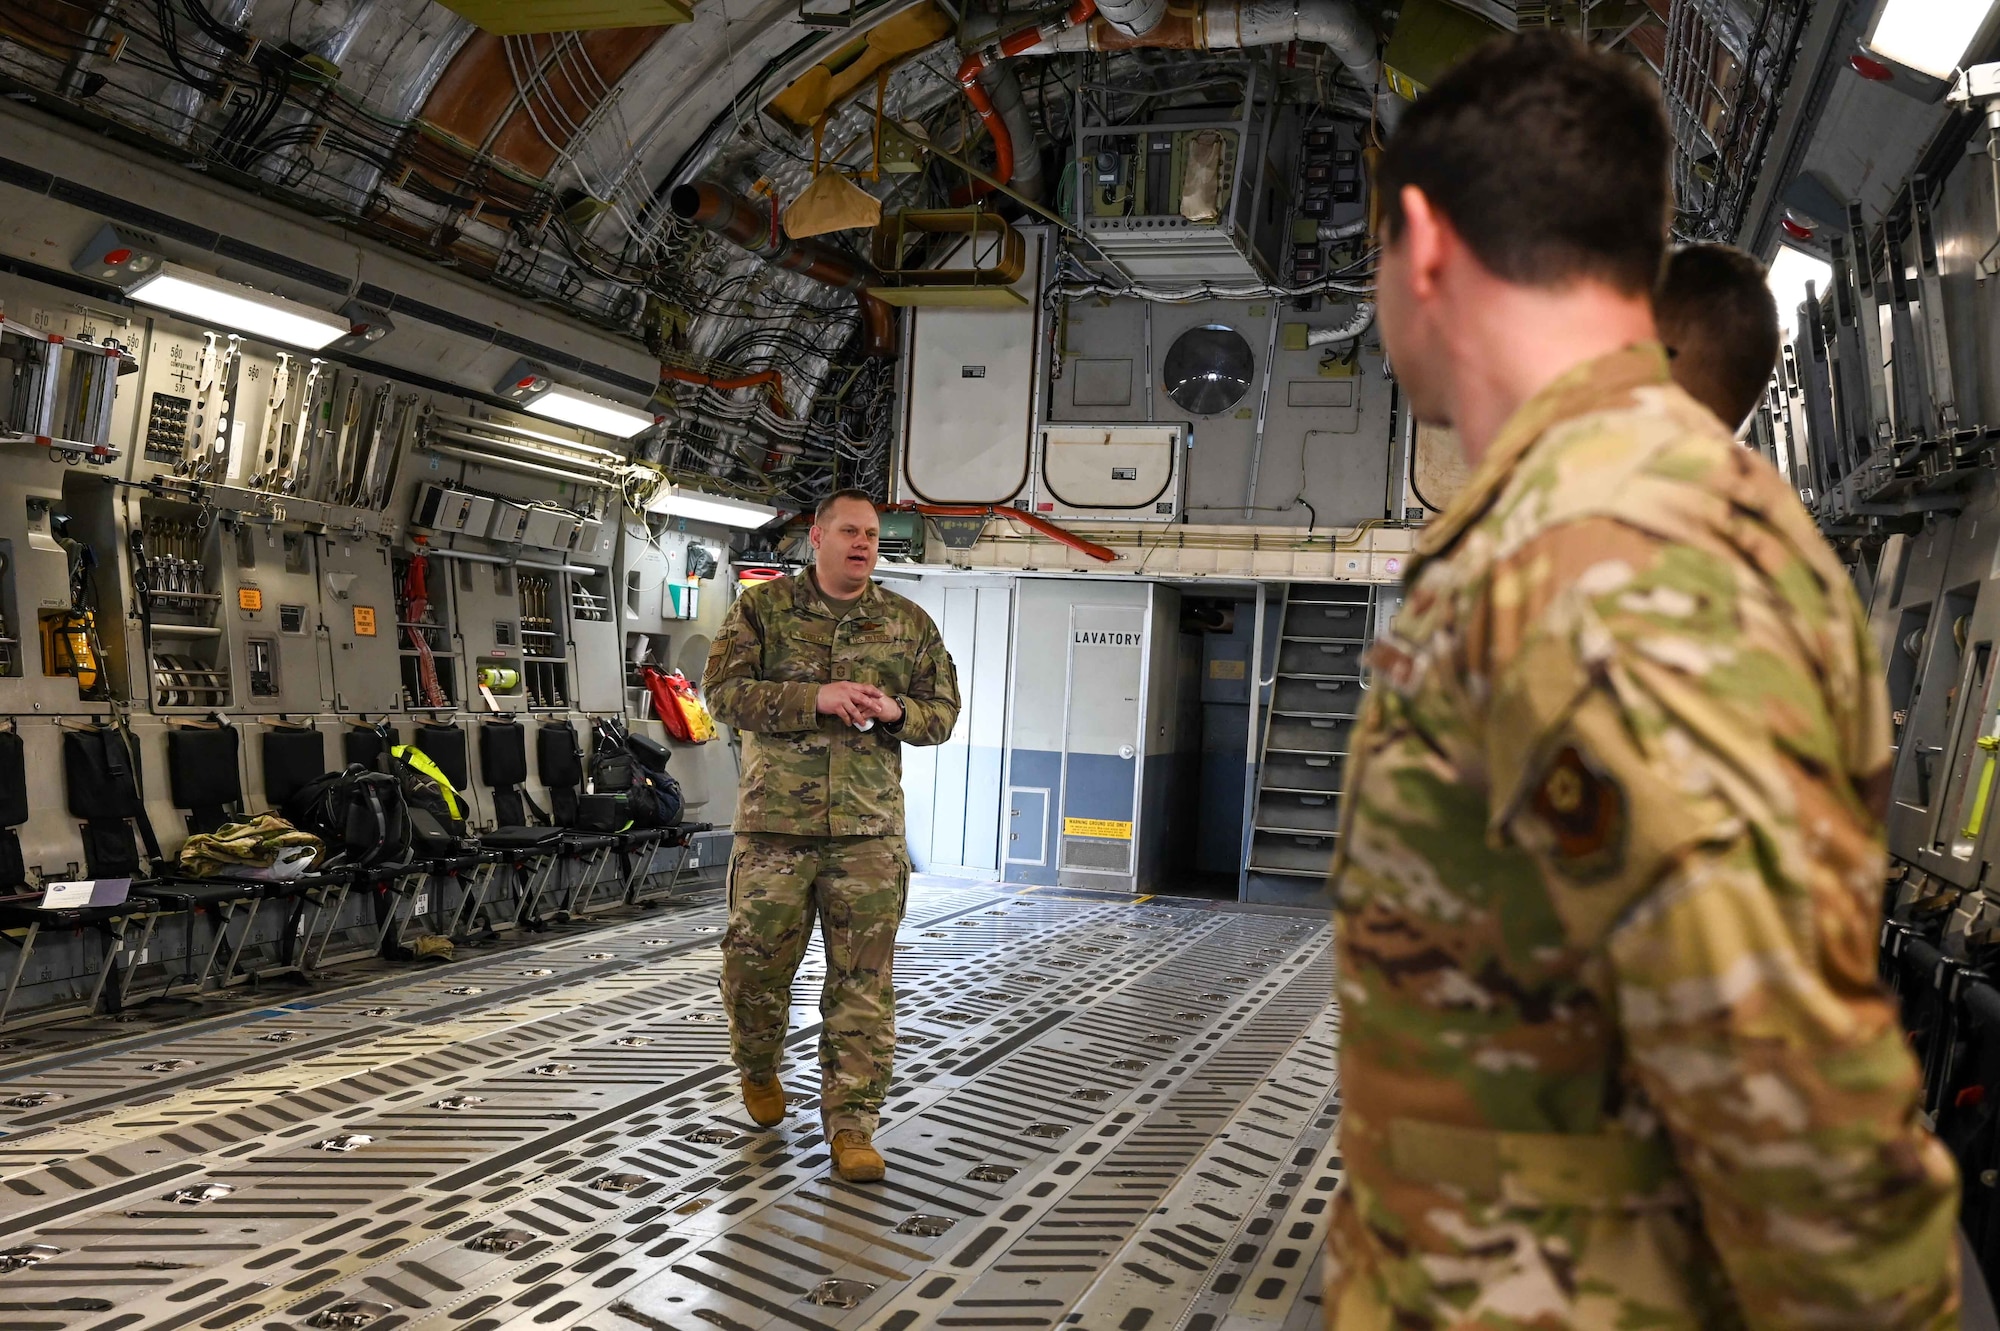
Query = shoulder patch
x=1585 y=813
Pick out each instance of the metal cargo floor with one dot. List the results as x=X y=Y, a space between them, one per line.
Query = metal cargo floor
x=1106 y=1115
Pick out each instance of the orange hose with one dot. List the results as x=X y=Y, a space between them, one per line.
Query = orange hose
x=969 y=70
x=1029 y=520
x=752 y=380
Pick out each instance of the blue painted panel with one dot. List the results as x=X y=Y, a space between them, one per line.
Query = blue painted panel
x=1033 y=769
x=1100 y=785
x=1028 y=823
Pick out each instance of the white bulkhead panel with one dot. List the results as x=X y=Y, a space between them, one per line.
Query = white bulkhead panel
x=969 y=419
x=1129 y=471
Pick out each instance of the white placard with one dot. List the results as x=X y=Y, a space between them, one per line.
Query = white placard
x=70 y=895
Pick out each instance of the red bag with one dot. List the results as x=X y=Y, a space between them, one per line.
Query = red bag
x=678 y=706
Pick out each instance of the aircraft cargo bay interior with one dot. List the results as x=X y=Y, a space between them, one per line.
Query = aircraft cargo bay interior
x=912 y=664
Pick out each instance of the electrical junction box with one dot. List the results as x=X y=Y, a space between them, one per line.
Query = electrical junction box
x=589 y=541
x=903 y=536
x=1196 y=193
x=549 y=528
x=440 y=508
x=1130 y=473
x=510 y=523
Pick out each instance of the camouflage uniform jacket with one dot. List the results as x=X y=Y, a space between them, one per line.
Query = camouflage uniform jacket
x=812 y=775
x=1613 y=1053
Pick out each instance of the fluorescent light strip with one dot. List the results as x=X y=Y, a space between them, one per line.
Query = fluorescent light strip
x=699 y=507
x=591 y=413
x=218 y=304
x=1929 y=36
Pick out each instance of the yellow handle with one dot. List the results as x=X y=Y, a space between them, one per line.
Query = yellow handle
x=1977 y=818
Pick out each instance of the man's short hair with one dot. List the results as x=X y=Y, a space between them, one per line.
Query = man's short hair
x=1549 y=157
x=1720 y=324
x=826 y=505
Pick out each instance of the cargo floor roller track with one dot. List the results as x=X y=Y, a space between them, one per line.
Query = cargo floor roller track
x=1106 y=1115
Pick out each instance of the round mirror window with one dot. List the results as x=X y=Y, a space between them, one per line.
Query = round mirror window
x=1207 y=369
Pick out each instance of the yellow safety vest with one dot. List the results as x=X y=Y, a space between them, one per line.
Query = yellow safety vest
x=420 y=760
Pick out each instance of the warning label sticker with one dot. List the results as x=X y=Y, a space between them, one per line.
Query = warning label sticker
x=1100 y=827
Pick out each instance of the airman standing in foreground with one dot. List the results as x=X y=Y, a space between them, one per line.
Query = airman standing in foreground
x=1613 y=1054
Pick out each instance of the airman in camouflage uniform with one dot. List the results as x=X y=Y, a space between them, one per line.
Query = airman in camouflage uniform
x=819 y=818
x=1613 y=1054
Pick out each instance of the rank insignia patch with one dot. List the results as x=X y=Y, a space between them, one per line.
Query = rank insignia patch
x=1585 y=812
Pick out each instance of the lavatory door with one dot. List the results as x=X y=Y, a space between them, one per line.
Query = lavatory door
x=1103 y=746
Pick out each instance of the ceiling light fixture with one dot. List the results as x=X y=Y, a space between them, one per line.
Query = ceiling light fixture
x=592 y=413
x=1928 y=36
x=679 y=501
x=530 y=386
x=216 y=303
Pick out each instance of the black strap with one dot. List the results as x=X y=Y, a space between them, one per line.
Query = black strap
x=374 y=799
x=124 y=770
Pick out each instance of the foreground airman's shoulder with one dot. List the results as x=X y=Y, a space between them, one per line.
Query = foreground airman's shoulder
x=1657 y=460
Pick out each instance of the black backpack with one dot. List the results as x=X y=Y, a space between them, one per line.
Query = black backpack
x=634 y=766
x=359 y=814
x=656 y=796
x=420 y=789
x=610 y=764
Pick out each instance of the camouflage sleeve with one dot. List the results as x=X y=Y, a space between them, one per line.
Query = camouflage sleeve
x=1674 y=737
x=930 y=707
x=735 y=694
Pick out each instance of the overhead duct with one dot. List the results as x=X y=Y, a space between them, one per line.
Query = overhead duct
x=1219 y=25
x=972 y=72
x=1004 y=112
x=743 y=223
x=1208 y=25
x=1003 y=86
x=1362 y=320
x=1134 y=18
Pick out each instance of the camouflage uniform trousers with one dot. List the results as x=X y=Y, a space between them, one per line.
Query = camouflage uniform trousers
x=856 y=886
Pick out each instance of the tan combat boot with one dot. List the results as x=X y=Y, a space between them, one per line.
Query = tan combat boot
x=855 y=1157
x=765 y=1100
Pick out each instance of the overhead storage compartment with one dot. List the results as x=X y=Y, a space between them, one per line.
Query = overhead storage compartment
x=1111 y=471
x=969 y=393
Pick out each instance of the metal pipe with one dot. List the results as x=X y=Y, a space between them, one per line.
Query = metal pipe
x=471 y=557
x=1061 y=224
x=536 y=435
x=509 y=464
x=483 y=441
x=743 y=223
